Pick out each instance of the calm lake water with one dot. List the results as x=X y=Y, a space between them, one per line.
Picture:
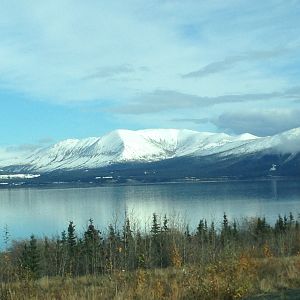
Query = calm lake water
x=47 y=211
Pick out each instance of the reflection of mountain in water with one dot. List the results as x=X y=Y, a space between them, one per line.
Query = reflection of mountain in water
x=47 y=211
x=274 y=189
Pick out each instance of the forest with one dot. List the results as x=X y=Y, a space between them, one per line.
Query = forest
x=167 y=260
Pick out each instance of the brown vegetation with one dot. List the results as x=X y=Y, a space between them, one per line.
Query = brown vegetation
x=168 y=262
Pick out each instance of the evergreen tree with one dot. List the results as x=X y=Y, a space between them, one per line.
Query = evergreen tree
x=31 y=258
x=226 y=230
x=187 y=234
x=127 y=233
x=113 y=249
x=128 y=246
x=155 y=229
x=92 y=236
x=71 y=237
x=62 y=253
x=48 y=262
x=225 y=223
x=279 y=225
x=285 y=222
x=291 y=220
x=200 y=228
x=261 y=228
x=71 y=242
x=140 y=251
x=201 y=232
x=234 y=229
x=34 y=256
x=165 y=227
x=156 y=246
x=6 y=237
x=93 y=249
x=212 y=241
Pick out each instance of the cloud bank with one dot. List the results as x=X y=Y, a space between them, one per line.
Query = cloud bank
x=231 y=61
x=137 y=64
x=257 y=122
x=66 y=51
x=166 y=100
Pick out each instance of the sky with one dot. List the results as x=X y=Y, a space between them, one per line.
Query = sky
x=74 y=69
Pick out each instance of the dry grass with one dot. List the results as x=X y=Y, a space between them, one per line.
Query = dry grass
x=233 y=263
x=232 y=279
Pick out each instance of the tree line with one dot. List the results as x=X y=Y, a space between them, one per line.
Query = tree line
x=165 y=244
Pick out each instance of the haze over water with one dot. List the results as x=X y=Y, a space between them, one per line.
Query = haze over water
x=48 y=211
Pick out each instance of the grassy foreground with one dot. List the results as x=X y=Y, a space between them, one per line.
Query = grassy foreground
x=251 y=260
x=232 y=279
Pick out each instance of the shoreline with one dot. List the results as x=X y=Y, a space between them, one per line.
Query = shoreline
x=134 y=182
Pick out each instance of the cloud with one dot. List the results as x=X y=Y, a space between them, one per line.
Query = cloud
x=157 y=101
x=66 y=51
x=110 y=71
x=12 y=155
x=28 y=148
x=254 y=121
x=23 y=148
x=231 y=61
x=166 y=100
x=46 y=140
x=259 y=122
x=191 y=120
x=111 y=64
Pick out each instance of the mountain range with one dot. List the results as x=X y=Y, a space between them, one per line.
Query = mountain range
x=161 y=154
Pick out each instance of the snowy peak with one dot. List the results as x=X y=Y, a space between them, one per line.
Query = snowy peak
x=247 y=136
x=150 y=145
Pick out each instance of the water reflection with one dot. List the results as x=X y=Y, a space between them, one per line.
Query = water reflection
x=274 y=189
x=47 y=211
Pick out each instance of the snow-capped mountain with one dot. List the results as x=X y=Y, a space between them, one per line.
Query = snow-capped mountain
x=123 y=146
x=148 y=146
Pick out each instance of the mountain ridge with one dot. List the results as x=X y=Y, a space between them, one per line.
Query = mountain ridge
x=153 y=146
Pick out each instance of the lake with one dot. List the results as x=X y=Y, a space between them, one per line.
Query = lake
x=47 y=211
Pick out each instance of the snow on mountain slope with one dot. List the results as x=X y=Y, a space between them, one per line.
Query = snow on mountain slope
x=286 y=142
x=152 y=145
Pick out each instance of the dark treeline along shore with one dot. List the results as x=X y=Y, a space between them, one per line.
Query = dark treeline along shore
x=169 y=261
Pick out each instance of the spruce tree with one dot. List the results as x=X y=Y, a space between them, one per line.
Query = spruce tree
x=71 y=238
x=128 y=246
x=34 y=256
x=93 y=248
x=201 y=232
x=279 y=225
x=156 y=242
x=71 y=242
x=31 y=258
x=140 y=250
x=225 y=230
x=212 y=240
x=291 y=220
x=113 y=249
x=155 y=228
x=165 y=227
x=48 y=262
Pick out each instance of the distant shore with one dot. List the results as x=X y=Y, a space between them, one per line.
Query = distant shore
x=39 y=183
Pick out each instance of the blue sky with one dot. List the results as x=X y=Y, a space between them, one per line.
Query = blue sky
x=83 y=68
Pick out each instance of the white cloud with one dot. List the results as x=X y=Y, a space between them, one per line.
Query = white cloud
x=259 y=122
x=165 y=100
x=67 y=51
x=231 y=61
